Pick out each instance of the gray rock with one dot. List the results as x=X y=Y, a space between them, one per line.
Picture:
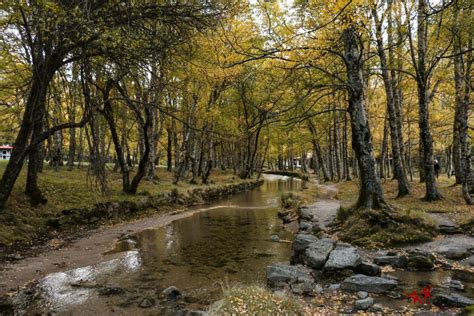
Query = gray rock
x=394 y=261
x=303 y=288
x=317 y=253
x=147 y=303
x=454 y=284
x=368 y=268
x=281 y=274
x=451 y=300
x=306 y=213
x=172 y=293
x=420 y=260
x=376 y=308
x=334 y=287
x=275 y=238
x=371 y=284
x=364 y=304
x=302 y=242
x=469 y=261
x=454 y=251
x=343 y=258
x=362 y=294
x=306 y=225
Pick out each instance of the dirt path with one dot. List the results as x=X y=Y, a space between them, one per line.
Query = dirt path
x=325 y=209
x=83 y=251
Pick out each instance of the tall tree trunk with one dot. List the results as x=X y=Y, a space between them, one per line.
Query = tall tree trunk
x=397 y=158
x=422 y=80
x=317 y=150
x=370 y=192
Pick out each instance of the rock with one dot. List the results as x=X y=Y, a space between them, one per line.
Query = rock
x=316 y=254
x=368 y=268
x=394 y=261
x=362 y=294
x=306 y=225
x=451 y=300
x=376 y=308
x=419 y=260
x=281 y=274
x=469 y=261
x=334 y=287
x=172 y=293
x=364 y=304
x=275 y=238
x=306 y=213
x=454 y=284
x=302 y=242
x=454 y=251
x=371 y=284
x=343 y=258
x=147 y=303
x=318 y=289
x=110 y=291
x=303 y=288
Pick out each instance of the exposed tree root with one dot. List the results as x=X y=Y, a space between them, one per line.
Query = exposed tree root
x=387 y=226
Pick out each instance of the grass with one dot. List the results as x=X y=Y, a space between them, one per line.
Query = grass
x=413 y=224
x=255 y=300
x=21 y=223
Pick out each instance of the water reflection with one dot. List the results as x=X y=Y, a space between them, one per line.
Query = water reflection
x=198 y=254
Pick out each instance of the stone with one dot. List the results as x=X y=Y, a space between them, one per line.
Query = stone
x=281 y=274
x=371 y=284
x=110 y=291
x=302 y=242
x=367 y=268
x=451 y=300
x=454 y=284
x=147 y=303
x=419 y=260
x=343 y=258
x=469 y=261
x=303 y=288
x=275 y=238
x=454 y=251
x=306 y=225
x=306 y=213
x=334 y=287
x=317 y=253
x=394 y=261
x=172 y=293
x=363 y=304
x=362 y=294
x=376 y=308
x=196 y=313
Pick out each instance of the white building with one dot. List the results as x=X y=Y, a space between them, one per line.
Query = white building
x=5 y=152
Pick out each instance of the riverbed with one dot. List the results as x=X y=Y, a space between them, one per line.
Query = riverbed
x=226 y=242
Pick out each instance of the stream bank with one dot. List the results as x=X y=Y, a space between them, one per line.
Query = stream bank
x=333 y=276
x=126 y=268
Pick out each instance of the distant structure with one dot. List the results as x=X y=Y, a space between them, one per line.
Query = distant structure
x=5 y=152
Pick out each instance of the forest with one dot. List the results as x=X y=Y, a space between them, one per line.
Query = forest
x=106 y=101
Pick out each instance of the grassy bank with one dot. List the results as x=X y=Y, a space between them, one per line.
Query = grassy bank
x=22 y=224
x=414 y=222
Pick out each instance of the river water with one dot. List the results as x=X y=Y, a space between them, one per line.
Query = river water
x=228 y=242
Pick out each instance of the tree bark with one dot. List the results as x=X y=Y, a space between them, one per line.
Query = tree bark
x=370 y=192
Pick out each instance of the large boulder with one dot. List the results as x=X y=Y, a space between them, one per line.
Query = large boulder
x=360 y=282
x=317 y=253
x=343 y=258
x=302 y=242
x=282 y=274
x=394 y=261
x=451 y=300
